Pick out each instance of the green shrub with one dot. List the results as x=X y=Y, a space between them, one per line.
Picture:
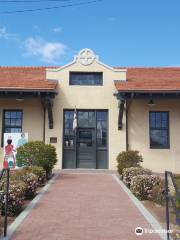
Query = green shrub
x=29 y=152
x=177 y=201
x=172 y=190
x=128 y=159
x=142 y=186
x=129 y=173
x=49 y=160
x=15 y=197
x=39 y=172
x=37 y=153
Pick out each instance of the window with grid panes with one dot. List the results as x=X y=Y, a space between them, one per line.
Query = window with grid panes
x=69 y=136
x=159 y=129
x=12 y=121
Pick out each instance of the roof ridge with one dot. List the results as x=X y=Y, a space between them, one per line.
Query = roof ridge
x=29 y=67
x=115 y=67
x=149 y=67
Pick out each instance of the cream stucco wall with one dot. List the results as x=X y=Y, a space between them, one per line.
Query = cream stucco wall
x=32 y=117
x=101 y=97
x=158 y=160
x=87 y=97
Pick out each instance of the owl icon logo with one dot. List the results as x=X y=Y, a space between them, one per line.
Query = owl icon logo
x=139 y=231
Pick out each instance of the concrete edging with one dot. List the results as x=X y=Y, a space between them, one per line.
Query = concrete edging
x=147 y=215
x=15 y=224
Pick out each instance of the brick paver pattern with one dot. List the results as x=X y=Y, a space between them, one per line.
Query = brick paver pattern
x=83 y=207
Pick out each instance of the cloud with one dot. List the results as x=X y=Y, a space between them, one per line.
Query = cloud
x=57 y=30
x=48 y=52
x=4 y=34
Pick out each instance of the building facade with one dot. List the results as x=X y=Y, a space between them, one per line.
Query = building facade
x=90 y=111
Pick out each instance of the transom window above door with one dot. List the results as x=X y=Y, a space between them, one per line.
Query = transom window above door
x=86 y=78
x=86 y=119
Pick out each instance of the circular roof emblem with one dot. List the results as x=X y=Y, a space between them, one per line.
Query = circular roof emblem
x=86 y=57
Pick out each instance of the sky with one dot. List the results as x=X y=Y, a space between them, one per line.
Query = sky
x=120 y=32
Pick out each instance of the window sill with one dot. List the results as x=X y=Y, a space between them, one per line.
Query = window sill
x=102 y=148
x=166 y=147
x=69 y=148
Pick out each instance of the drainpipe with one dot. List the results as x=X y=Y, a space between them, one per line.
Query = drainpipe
x=44 y=123
x=127 y=137
x=44 y=118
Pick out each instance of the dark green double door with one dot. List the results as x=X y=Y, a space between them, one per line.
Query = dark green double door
x=87 y=145
x=86 y=148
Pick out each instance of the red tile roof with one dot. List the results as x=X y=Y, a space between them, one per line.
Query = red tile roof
x=138 y=79
x=151 y=79
x=25 y=78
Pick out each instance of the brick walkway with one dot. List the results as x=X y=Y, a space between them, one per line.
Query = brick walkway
x=83 y=207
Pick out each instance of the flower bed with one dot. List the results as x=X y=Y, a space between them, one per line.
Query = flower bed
x=39 y=172
x=16 y=197
x=23 y=186
x=149 y=188
x=144 y=185
x=129 y=173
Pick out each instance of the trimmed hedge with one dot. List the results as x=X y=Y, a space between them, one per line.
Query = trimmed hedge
x=129 y=173
x=37 y=153
x=128 y=159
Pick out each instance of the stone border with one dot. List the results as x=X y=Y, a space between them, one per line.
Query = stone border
x=15 y=224
x=147 y=215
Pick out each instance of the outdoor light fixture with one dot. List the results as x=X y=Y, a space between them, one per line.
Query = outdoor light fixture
x=20 y=99
x=151 y=103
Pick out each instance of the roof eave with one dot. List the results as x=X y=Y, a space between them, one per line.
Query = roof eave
x=12 y=89
x=148 y=91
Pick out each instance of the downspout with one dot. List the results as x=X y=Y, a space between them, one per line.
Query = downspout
x=121 y=112
x=44 y=123
x=127 y=136
x=128 y=104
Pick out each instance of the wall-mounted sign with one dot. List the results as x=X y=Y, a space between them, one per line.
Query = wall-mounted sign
x=53 y=139
x=11 y=142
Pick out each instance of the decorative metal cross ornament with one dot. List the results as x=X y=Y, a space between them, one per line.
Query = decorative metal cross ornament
x=86 y=57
